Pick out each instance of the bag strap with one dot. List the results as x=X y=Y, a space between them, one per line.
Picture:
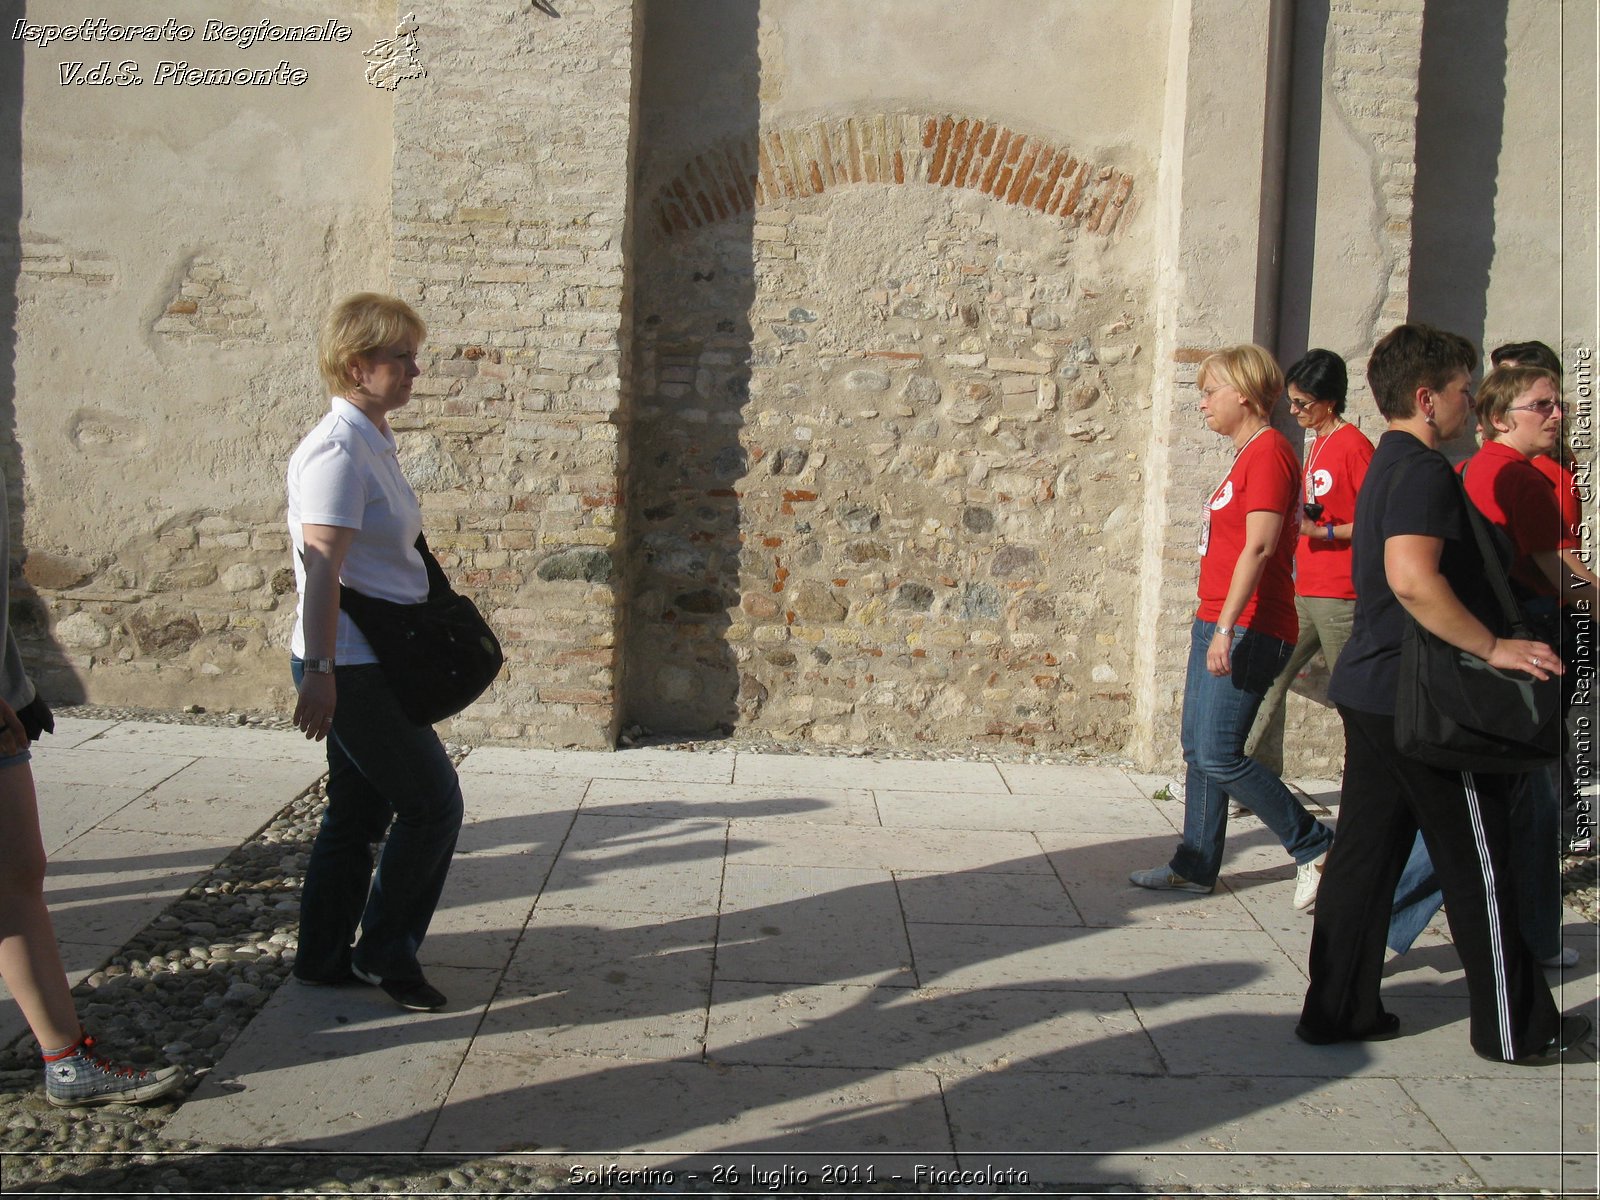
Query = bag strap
x=1494 y=571
x=438 y=581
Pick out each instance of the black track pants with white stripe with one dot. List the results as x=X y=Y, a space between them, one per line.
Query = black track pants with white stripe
x=1384 y=799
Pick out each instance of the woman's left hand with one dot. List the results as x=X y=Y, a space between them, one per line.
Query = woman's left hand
x=1219 y=655
x=313 y=714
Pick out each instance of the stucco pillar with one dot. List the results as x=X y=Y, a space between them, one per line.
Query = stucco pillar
x=1209 y=229
x=510 y=214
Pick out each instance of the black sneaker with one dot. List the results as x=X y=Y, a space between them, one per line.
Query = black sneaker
x=417 y=994
x=1388 y=1026
x=1573 y=1031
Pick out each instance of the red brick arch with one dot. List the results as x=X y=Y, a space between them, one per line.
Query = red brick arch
x=893 y=148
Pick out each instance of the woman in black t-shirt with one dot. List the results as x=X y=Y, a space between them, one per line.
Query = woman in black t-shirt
x=1415 y=555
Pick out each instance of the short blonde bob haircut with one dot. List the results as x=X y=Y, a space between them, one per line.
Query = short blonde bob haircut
x=1251 y=370
x=357 y=326
x=1501 y=388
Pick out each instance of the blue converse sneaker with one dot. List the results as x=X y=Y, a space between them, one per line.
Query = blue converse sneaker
x=77 y=1077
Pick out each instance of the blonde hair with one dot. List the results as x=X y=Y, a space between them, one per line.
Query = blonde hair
x=1501 y=388
x=357 y=326
x=1251 y=370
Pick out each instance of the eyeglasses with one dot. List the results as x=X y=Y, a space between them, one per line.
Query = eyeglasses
x=1302 y=405
x=1543 y=407
x=1215 y=387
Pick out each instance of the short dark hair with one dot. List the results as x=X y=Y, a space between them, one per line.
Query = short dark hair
x=1321 y=374
x=1526 y=354
x=1413 y=356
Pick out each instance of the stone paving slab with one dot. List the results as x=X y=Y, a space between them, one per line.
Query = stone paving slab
x=684 y=1113
x=812 y=925
x=1078 y=783
x=218 y=797
x=1104 y=1132
x=337 y=1068
x=985 y=898
x=486 y=903
x=957 y=1034
x=70 y=732
x=721 y=801
x=795 y=770
x=626 y=985
x=90 y=766
x=1533 y=1130
x=886 y=849
x=505 y=814
x=108 y=884
x=1094 y=812
x=640 y=865
x=662 y=766
x=70 y=810
x=1113 y=905
x=207 y=741
x=1105 y=960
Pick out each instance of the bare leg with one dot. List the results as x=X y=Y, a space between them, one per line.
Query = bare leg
x=30 y=962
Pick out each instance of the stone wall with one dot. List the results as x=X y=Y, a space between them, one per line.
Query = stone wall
x=891 y=378
x=803 y=368
x=509 y=233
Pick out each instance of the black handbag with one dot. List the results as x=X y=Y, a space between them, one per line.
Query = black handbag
x=438 y=656
x=1453 y=710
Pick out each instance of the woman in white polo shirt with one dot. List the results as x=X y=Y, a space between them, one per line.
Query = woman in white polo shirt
x=354 y=519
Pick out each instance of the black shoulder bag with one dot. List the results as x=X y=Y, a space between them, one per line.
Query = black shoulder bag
x=1453 y=710
x=438 y=656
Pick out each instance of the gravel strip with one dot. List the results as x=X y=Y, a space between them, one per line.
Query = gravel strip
x=185 y=987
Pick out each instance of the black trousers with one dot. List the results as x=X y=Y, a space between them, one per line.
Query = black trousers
x=1385 y=798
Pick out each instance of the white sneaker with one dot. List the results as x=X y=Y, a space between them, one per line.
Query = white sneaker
x=1307 y=879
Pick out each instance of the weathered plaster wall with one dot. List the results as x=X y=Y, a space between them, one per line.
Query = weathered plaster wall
x=893 y=363
x=1508 y=108
x=177 y=248
x=1348 y=265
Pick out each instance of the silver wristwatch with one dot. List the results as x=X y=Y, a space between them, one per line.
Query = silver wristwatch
x=319 y=666
x=1224 y=630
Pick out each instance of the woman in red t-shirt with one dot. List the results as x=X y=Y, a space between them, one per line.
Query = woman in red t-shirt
x=1243 y=633
x=1555 y=464
x=1324 y=598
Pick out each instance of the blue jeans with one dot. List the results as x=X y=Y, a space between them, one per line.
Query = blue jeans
x=1217 y=715
x=384 y=774
x=1533 y=857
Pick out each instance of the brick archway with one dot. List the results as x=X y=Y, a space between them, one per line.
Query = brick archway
x=941 y=150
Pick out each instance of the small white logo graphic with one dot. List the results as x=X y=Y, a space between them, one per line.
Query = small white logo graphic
x=1319 y=483
x=1224 y=496
x=394 y=59
x=64 y=1072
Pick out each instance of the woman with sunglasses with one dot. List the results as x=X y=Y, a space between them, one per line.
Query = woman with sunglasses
x=1577 y=632
x=1324 y=598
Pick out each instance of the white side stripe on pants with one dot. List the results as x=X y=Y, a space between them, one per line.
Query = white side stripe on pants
x=1497 y=955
